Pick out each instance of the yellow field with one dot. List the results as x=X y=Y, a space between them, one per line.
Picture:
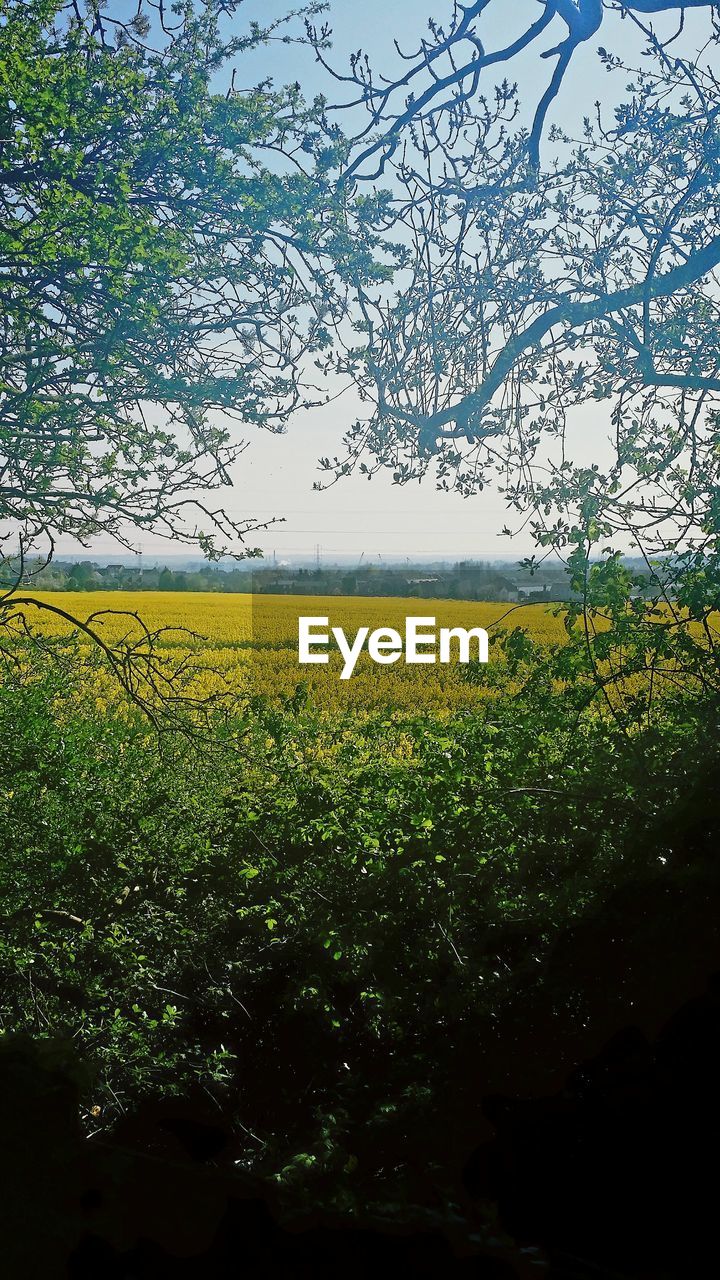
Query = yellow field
x=248 y=644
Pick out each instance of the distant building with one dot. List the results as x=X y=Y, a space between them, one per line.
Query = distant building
x=535 y=590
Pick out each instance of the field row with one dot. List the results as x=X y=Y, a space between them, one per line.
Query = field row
x=248 y=645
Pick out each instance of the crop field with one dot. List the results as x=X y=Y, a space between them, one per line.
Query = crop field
x=248 y=645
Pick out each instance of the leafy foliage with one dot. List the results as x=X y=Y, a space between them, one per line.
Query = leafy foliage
x=322 y=912
x=159 y=267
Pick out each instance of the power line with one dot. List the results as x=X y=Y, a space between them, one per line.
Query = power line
x=365 y=511
x=372 y=530
x=442 y=553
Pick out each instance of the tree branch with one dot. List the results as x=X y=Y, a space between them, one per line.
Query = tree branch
x=573 y=315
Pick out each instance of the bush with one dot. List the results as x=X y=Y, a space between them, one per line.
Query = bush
x=322 y=926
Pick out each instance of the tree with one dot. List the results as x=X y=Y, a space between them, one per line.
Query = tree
x=547 y=269
x=448 y=69
x=82 y=576
x=167 y=247
x=156 y=266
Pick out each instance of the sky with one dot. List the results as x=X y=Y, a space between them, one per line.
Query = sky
x=275 y=476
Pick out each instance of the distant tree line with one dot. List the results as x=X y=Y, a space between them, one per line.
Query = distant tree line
x=465 y=580
x=86 y=575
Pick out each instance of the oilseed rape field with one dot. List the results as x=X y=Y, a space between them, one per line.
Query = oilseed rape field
x=247 y=646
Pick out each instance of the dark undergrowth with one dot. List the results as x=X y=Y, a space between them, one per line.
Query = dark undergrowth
x=358 y=969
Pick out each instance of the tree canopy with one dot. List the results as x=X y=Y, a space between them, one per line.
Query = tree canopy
x=179 y=255
x=553 y=263
x=164 y=267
